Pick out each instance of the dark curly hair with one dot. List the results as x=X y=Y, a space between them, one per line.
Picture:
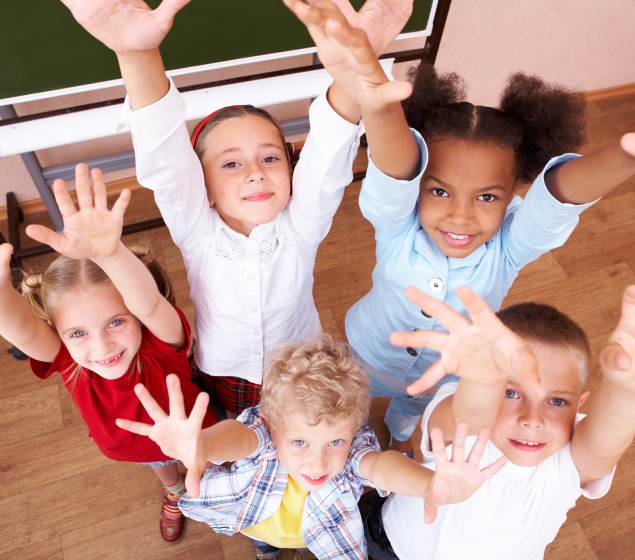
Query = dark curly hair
x=536 y=120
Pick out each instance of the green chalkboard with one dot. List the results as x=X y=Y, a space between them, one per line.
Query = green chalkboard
x=42 y=48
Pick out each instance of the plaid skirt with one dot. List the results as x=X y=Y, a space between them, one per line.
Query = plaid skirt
x=232 y=393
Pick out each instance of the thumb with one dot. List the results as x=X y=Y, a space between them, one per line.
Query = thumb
x=614 y=357
x=393 y=92
x=6 y=250
x=193 y=482
x=45 y=235
x=430 y=504
x=169 y=8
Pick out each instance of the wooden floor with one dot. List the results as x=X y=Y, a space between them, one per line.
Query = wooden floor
x=62 y=499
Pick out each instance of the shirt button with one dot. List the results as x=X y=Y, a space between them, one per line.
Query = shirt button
x=256 y=333
x=411 y=351
x=257 y=353
x=254 y=310
x=251 y=277
x=425 y=314
x=436 y=284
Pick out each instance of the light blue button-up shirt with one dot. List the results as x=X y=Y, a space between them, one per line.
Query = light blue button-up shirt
x=407 y=256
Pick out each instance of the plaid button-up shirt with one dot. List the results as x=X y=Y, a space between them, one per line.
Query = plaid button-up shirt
x=251 y=490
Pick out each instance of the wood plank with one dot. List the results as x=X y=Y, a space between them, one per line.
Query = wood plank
x=347 y=284
x=50 y=549
x=542 y=273
x=329 y=324
x=91 y=497
x=67 y=453
x=30 y=414
x=238 y=547
x=136 y=535
x=570 y=544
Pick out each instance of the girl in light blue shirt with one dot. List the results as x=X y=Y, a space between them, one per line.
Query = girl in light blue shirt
x=446 y=213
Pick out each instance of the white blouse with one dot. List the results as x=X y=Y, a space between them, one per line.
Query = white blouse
x=249 y=293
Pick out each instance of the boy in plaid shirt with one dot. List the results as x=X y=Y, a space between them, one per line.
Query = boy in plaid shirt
x=302 y=457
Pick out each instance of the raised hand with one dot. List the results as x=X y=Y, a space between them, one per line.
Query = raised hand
x=125 y=25
x=382 y=20
x=618 y=355
x=177 y=435
x=92 y=232
x=454 y=481
x=348 y=56
x=483 y=350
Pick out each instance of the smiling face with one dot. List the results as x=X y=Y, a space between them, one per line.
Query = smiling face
x=246 y=171
x=98 y=330
x=464 y=193
x=527 y=430
x=312 y=455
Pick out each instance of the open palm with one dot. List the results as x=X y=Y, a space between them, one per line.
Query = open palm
x=382 y=20
x=177 y=435
x=91 y=232
x=346 y=53
x=125 y=25
x=482 y=350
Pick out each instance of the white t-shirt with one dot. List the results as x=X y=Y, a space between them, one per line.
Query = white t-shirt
x=514 y=515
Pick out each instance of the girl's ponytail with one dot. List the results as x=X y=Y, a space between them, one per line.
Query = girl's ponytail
x=143 y=252
x=552 y=118
x=30 y=289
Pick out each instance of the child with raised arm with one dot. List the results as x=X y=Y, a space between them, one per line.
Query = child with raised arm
x=302 y=457
x=249 y=247
x=555 y=455
x=444 y=210
x=98 y=317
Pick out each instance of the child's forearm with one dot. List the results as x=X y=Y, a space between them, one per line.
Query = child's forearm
x=133 y=281
x=144 y=77
x=391 y=144
x=477 y=405
x=394 y=472
x=229 y=440
x=586 y=179
x=344 y=105
x=20 y=326
x=606 y=432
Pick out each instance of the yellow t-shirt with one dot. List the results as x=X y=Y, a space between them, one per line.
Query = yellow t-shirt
x=284 y=528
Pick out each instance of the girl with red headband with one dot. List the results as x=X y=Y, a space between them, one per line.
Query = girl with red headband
x=248 y=245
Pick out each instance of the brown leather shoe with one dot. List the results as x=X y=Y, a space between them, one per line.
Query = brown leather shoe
x=172 y=530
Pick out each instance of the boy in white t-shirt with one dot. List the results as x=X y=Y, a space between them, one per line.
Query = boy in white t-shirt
x=555 y=454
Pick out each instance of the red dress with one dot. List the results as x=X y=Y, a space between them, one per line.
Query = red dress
x=101 y=401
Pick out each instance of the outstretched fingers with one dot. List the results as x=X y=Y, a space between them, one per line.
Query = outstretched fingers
x=134 y=427
x=448 y=317
x=152 y=407
x=429 y=379
x=476 y=454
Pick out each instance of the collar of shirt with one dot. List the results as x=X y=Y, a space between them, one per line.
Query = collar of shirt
x=256 y=234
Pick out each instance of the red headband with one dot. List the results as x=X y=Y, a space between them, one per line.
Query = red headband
x=204 y=121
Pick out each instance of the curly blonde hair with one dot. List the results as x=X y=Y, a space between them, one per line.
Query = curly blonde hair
x=322 y=375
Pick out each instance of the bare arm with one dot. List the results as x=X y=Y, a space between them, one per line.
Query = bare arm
x=601 y=438
x=94 y=233
x=588 y=178
x=349 y=57
x=452 y=482
x=481 y=351
x=18 y=324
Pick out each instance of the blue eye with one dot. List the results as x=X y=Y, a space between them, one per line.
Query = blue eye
x=511 y=394
x=116 y=323
x=300 y=443
x=487 y=198
x=336 y=442
x=231 y=165
x=78 y=334
x=439 y=192
x=557 y=402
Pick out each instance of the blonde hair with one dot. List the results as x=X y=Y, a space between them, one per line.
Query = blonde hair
x=66 y=276
x=322 y=375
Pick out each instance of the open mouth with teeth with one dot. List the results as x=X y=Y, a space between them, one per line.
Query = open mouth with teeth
x=526 y=445
x=315 y=480
x=111 y=362
x=457 y=239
